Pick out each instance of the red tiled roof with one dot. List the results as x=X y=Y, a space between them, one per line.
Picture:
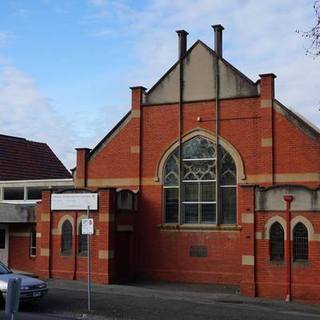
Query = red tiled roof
x=21 y=159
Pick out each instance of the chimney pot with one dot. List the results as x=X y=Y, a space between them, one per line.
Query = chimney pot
x=182 y=34
x=218 y=28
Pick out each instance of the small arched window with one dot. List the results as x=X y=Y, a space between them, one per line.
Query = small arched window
x=82 y=242
x=198 y=184
x=300 y=242
x=276 y=242
x=66 y=238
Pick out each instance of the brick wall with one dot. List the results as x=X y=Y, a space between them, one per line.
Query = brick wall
x=53 y=263
x=19 y=248
x=271 y=276
x=273 y=151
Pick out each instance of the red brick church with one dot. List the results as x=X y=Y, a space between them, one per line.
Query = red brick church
x=208 y=179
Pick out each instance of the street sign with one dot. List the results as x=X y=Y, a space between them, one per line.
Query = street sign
x=74 y=201
x=87 y=226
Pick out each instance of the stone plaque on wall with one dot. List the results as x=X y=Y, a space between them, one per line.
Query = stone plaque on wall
x=198 y=251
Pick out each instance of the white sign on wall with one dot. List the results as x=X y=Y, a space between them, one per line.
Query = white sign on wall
x=87 y=226
x=74 y=201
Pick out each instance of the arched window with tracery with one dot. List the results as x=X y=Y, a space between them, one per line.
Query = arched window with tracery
x=276 y=242
x=300 y=242
x=66 y=238
x=198 y=184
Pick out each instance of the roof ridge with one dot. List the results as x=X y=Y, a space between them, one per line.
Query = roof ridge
x=173 y=66
x=108 y=135
x=222 y=59
x=8 y=137
x=310 y=126
x=227 y=62
x=12 y=137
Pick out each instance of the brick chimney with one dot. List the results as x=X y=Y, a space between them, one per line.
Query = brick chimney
x=267 y=86
x=182 y=45
x=137 y=97
x=81 y=170
x=218 y=28
x=266 y=153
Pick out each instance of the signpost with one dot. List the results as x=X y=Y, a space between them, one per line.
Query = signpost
x=79 y=201
x=87 y=228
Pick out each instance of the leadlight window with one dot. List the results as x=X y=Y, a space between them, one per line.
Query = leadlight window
x=300 y=242
x=198 y=195
x=66 y=238
x=171 y=188
x=33 y=242
x=228 y=187
x=82 y=242
x=276 y=242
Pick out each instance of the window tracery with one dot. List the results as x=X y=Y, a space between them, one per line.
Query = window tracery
x=198 y=184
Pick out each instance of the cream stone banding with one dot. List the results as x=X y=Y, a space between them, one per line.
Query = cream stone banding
x=247 y=218
x=266 y=142
x=306 y=223
x=270 y=222
x=247 y=260
x=68 y=217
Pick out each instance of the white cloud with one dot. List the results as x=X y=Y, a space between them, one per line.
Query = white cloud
x=26 y=112
x=260 y=37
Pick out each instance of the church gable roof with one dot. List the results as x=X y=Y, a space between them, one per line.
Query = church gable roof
x=199 y=79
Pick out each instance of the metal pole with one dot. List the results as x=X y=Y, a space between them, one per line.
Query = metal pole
x=182 y=51
x=217 y=94
x=180 y=138
x=182 y=48
x=288 y=199
x=89 y=264
x=218 y=54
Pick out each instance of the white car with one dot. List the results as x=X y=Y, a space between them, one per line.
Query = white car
x=31 y=288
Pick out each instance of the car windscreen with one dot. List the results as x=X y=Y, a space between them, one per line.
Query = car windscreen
x=4 y=269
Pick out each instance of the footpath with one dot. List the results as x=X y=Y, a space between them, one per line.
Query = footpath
x=64 y=295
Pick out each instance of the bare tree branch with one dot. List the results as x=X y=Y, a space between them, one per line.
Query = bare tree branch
x=314 y=33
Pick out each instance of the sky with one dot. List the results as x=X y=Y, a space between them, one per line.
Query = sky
x=66 y=65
